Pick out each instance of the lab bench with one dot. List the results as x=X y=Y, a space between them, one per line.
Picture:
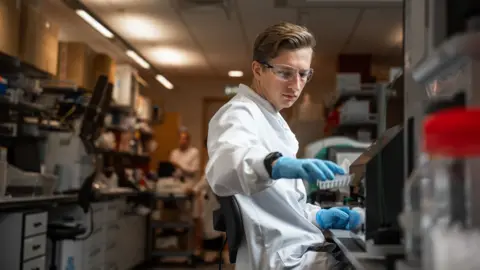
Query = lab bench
x=44 y=202
x=115 y=241
x=358 y=259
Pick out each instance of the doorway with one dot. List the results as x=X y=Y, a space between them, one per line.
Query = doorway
x=210 y=106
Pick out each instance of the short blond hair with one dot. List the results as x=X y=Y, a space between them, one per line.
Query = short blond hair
x=281 y=36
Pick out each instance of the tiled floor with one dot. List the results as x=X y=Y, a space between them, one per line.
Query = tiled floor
x=212 y=267
x=199 y=267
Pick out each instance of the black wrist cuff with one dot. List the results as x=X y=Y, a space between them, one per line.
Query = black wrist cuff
x=268 y=161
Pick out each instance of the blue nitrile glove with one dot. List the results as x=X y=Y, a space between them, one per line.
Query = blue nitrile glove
x=341 y=218
x=306 y=169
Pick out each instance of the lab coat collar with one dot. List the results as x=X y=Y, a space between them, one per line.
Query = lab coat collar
x=249 y=92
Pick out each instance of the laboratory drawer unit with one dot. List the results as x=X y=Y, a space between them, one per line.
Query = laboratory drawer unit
x=23 y=240
x=116 y=242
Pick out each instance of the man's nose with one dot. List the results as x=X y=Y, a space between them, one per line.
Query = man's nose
x=295 y=82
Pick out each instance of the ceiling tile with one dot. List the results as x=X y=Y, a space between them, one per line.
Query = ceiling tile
x=215 y=44
x=220 y=36
x=258 y=15
x=379 y=31
x=332 y=27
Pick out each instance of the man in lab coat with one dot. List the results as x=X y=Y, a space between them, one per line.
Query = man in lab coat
x=186 y=159
x=252 y=155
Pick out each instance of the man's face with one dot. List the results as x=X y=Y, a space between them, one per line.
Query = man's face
x=184 y=140
x=282 y=79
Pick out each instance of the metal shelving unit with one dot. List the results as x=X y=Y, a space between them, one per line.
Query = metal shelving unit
x=378 y=92
x=171 y=228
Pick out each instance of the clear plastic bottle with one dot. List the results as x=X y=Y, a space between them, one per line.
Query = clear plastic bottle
x=411 y=216
x=451 y=139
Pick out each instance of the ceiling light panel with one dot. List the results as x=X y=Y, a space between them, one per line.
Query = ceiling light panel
x=94 y=23
x=139 y=60
x=166 y=83
x=142 y=27
x=235 y=73
x=169 y=56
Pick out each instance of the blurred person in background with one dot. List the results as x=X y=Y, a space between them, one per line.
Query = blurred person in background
x=186 y=160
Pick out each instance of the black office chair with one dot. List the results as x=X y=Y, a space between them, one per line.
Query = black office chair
x=228 y=219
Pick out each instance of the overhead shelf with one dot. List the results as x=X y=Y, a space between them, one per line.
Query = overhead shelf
x=354 y=126
x=23 y=106
x=12 y=65
x=63 y=90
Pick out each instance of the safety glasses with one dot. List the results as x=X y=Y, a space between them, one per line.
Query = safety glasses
x=287 y=73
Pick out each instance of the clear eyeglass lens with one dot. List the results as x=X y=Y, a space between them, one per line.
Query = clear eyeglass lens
x=286 y=73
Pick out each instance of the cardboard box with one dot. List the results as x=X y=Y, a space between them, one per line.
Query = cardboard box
x=9 y=27
x=76 y=62
x=38 y=40
x=103 y=65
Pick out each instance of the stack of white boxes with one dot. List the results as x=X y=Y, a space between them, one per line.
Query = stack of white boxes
x=353 y=110
x=348 y=82
x=117 y=241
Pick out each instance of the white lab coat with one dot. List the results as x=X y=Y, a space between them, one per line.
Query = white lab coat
x=188 y=160
x=279 y=224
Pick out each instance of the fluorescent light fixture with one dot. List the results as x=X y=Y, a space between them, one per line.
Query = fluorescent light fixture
x=235 y=73
x=166 y=83
x=138 y=59
x=94 y=23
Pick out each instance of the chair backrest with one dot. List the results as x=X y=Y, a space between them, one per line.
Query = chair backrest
x=228 y=219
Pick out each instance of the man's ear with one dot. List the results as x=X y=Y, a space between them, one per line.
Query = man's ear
x=256 y=69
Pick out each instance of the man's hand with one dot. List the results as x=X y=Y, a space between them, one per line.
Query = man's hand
x=338 y=218
x=306 y=169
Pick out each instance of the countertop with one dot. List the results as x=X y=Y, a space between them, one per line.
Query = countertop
x=15 y=203
x=45 y=201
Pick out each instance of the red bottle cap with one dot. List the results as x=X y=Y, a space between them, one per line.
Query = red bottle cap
x=454 y=132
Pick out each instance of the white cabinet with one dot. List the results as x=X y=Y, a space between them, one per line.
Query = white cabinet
x=24 y=240
x=117 y=240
